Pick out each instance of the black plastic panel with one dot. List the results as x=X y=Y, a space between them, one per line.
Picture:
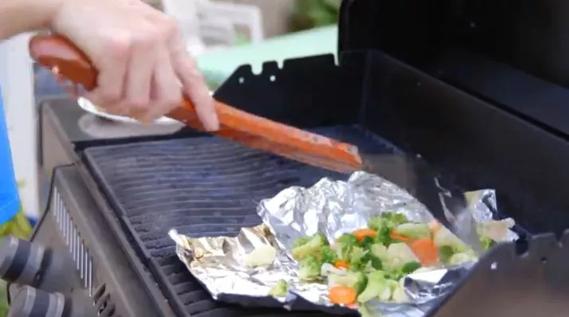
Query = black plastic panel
x=480 y=144
x=510 y=283
x=201 y=187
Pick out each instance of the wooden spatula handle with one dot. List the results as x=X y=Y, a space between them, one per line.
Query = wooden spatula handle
x=65 y=59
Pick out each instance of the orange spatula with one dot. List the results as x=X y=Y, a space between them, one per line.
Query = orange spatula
x=66 y=60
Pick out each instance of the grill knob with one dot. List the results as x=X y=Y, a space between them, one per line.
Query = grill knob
x=31 y=302
x=20 y=260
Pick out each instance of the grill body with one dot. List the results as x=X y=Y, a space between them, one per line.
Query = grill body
x=124 y=194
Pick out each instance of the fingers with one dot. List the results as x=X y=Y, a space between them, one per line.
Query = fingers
x=193 y=86
x=143 y=67
x=166 y=92
x=136 y=95
x=111 y=78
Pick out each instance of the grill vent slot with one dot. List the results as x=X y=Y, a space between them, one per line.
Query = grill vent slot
x=79 y=253
x=103 y=302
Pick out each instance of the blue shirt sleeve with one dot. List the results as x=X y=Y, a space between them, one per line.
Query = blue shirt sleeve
x=9 y=199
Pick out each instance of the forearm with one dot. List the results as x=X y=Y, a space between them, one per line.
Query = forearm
x=17 y=16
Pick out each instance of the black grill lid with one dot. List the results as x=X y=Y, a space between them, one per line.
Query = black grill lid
x=200 y=186
x=512 y=54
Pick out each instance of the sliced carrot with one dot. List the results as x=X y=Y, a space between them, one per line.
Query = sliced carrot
x=426 y=251
x=342 y=264
x=361 y=234
x=396 y=236
x=435 y=226
x=342 y=295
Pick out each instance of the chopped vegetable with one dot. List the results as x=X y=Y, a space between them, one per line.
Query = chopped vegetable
x=402 y=271
x=262 y=255
x=280 y=289
x=380 y=251
x=445 y=253
x=344 y=246
x=398 y=293
x=342 y=295
x=413 y=230
x=309 y=247
x=395 y=236
x=309 y=269
x=435 y=226
x=327 y=255
x=364 y=311
x=370 y=263
x=496 y=230
x=384 y=224
x=355 y=280
x=460 y=258
x=410 y=267
x=328 y=269
x=386 y=219
x=486 y=243
x=377 y=286
x=357 y=258
x=360 y=234
x=444 y=237
x=399 y=254
x=342 y=264
x=426 y=251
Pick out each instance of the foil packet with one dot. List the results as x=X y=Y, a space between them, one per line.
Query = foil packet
x=330 y=207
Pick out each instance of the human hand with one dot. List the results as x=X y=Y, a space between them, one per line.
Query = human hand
x=144 y=68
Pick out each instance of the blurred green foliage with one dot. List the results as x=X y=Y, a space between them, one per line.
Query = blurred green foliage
x=308 y=14
x=18 y=227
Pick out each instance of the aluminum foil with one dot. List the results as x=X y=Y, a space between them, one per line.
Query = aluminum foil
x=332 y=208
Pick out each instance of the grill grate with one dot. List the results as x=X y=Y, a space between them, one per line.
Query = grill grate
x=202 y=187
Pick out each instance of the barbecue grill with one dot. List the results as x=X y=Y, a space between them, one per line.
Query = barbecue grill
x=463 y=84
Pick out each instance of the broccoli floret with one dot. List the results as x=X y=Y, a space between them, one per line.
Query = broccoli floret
x=384 y=223
x=280 y=289
x=486 y=243
x=414 y=230
x=366 y=242
x=300 y=241
x=357 y=258
x=309 y=247
x=377 y=287
x=445 y=253
x=356 y=280
x=407 y=268
x=344 y=246
x=309 y=268
x=327 y=255
x=398 y=293
x=386 y=219
x=372 y=262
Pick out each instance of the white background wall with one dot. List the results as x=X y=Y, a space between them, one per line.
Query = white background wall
x=16 y=81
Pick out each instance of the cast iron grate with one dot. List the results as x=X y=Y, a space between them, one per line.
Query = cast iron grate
x=201 y=186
